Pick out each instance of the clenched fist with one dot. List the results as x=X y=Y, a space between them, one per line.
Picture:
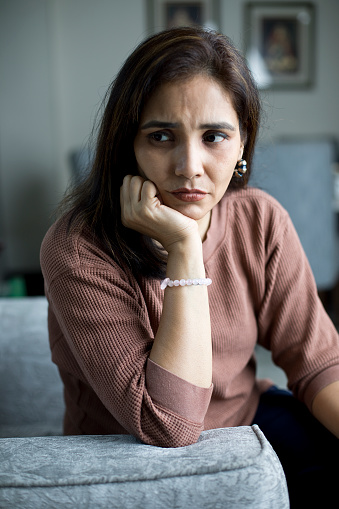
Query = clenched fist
x=142 y=210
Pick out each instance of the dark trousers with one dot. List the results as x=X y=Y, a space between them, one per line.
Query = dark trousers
x=308 y=452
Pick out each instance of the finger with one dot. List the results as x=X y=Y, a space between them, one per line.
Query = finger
x=148 y=191
x=130 y=200
x=131 y=187
x=135 y=187
x=125 y=190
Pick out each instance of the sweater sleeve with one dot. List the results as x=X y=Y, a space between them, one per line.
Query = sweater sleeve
x=292 y=321
x=105 y=323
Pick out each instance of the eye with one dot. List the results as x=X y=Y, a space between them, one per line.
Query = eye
x=159 y=136
x=215 y=137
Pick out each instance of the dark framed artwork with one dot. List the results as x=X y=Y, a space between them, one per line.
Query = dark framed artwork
x=163 y=14
x=280 y=43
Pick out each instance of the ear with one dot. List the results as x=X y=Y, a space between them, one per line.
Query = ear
x=241 y=151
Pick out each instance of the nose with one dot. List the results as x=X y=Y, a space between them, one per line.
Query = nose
x=188 y=160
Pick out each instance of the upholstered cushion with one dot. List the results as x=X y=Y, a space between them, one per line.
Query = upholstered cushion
x=31 y=400
x=232 y=467
x=298 y=173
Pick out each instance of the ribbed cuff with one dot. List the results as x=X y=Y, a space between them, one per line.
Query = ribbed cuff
x=325 y=378
x=175 y=394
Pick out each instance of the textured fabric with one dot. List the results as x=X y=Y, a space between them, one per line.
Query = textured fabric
x=191 y=402
x=234 y=468
x=111 y=471
x=102 y=322
x=31 y=402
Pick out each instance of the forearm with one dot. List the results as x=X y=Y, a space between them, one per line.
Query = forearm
x=183 y=341
x=326 y=407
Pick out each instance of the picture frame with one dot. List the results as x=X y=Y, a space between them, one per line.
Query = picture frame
x=279 y=44
x=162 y=14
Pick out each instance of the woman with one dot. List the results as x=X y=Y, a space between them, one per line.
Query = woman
x=167 y=199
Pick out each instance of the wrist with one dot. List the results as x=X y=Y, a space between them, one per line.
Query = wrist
x=185 y=282
x=185 y=260
x=183 y=239
x=189 y=244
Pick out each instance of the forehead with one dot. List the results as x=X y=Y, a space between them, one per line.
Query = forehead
x=200 y=94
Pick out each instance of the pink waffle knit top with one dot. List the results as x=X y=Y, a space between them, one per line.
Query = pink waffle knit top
x=102 y=321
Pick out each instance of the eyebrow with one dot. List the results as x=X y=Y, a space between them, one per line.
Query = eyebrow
x=173 y=125
x=219 y=125
x=159 y=125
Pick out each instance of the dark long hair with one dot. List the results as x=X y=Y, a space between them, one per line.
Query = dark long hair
x=172 y=55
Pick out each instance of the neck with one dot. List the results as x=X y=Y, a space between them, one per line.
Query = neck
x=203 y=225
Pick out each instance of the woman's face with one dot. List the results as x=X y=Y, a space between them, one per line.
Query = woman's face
x=188 y=144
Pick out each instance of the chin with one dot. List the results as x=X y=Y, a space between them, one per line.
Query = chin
x=193 y=211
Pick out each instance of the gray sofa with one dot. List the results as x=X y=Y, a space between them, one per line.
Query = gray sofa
x=298 y=172
x=226 y=468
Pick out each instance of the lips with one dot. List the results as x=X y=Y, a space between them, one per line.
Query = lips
x=189 y=195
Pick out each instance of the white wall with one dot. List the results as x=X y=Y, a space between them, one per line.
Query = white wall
x=91 y=39
x=57 y=57
x=301 y=112
x=25 y=129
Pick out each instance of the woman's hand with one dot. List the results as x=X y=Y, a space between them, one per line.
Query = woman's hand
x=143 y=211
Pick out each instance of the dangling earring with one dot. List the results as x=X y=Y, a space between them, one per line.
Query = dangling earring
x=240 y=169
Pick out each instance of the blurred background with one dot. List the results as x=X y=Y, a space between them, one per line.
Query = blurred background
x=58 y=57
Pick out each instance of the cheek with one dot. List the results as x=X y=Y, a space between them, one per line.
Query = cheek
x=224 y=168
x=152 y=165
x=143 y=161
x=222 y=174
x=222 y=184
x=142 y=173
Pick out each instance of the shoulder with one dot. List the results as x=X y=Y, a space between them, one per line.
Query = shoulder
x=254 y=198
x=68 y=247
x=255 y=218
x=247 y=221
x=255 y=208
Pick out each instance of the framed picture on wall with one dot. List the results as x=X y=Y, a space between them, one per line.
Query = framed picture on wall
x=173 y=13
x=280 y=43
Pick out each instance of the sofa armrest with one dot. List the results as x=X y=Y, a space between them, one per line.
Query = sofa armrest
x=231 y=467
x=31 y=391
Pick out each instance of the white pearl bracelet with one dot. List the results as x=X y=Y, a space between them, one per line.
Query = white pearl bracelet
x=185 y=282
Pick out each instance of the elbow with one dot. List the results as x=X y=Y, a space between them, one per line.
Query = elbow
x=173 y=434
x=172 y=441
